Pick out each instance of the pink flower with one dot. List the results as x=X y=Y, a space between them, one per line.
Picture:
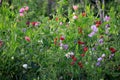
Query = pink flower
x=61 y=23
x=21 y=14
x=75 y=17
x=35 y=23
x=75 y=7
x=26 y=8
x=107 y=18
x=27 y=38
x=21 y=10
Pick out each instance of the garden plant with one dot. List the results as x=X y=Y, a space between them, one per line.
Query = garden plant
x=65 y=40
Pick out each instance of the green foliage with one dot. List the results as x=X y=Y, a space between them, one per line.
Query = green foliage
x=41 y=51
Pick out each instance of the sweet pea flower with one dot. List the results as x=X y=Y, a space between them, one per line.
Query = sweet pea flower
x=61 y=44
x=25 y=66
x=93 y=49
x=65 y=46
x=26 y=8
x=85 y=49
x=107 y=26
x=75 y=17
x=67 y=55
x=62 y=38
x=107 y=18
x=113 y=50
x=61 y=23
x=103 y=55
x=80 y=42
x=94 y=28
x=98 y=64
x=83 y=14
x=75 y=7
x=28 y=23
x=22 y=10
x=101 y=40
x=27 y=38
x=37 y=23
x=111 y=55
x=82 y=55
x=71 y=53
x=21 y=14
x=100 y=59
x=91 y=34
x=80 y=64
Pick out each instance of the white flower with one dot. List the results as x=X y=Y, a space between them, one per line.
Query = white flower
x=73 y=13
x=103 y=55
x=71 y=53
x=25 y=66
x=12 y=57
x=67 y=55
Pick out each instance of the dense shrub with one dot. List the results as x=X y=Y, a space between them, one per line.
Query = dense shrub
x=72 y=43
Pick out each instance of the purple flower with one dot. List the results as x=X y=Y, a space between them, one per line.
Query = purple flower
x=93 y=49
x=111 y=56
x=107 y=26
x=99 y=59
x=65 y=46
x=98 y=64
x=91 y=34
x=101 y=41
x=94 y=28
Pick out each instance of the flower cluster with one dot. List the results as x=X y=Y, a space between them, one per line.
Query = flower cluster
x=69 y=54
x=75 y=16
x=62 y=46
x=28 y=23
x=23 y=9
x=107 y=27
x=112 y=50
x=100 y=59
x=94 y=30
